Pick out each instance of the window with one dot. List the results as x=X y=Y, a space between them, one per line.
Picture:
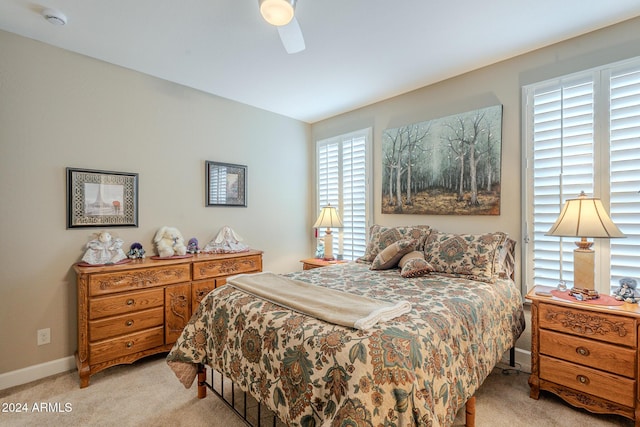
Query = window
x=342 y=165
x=582 y=133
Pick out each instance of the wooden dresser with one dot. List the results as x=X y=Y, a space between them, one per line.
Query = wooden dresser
x=133 y=310
x=586 y=354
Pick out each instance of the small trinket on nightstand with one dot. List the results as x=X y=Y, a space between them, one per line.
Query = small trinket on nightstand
x=562 y=286
x=627 y=290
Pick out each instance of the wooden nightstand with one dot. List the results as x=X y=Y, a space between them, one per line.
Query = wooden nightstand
x=586 y=354
x=310 y=263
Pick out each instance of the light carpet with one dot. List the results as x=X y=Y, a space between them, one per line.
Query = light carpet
x=148 y=394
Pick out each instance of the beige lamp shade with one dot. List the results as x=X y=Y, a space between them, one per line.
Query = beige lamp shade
x=584 y=217
x=328 y=218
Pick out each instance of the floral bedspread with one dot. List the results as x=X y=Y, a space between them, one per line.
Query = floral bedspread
x=417 y=369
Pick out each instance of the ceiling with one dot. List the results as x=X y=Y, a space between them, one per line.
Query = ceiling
x=358 y=51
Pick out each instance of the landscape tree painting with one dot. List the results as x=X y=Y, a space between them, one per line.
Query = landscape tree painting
x=445 y=166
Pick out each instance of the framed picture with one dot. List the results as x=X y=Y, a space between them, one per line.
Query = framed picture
x=445 y=166
x=226 y=184
x=101 y=198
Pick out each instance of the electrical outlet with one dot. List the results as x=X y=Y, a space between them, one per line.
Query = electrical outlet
x=44 y=336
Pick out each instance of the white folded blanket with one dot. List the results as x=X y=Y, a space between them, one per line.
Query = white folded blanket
x=334 y=306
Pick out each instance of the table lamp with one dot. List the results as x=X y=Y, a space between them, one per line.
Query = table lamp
x=584 y=217
x=328 y=218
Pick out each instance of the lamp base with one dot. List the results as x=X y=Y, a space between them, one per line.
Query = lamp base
x=328 y=246
x=583 y=268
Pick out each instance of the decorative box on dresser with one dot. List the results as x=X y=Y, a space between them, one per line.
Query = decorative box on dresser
x=132 y=310
x=587 y=354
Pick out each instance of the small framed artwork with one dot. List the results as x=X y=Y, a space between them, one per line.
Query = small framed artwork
x=226 y=184
x=98 y=198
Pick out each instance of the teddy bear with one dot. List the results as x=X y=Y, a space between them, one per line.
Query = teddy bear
x=169 y=242
x=627 y=290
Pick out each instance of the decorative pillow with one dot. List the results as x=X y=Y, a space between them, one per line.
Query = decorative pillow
x=413 y=264
x=472 y=256
x=506 y=262
x=380 y=237
x=391 y=255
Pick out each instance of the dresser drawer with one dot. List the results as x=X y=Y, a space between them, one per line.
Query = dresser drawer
x=226 y=267
x=106 y=283
x=588 y=324
x=118 y=347
x=125 y=303
x=587 y=380
x=612 y=358
x=125 y=323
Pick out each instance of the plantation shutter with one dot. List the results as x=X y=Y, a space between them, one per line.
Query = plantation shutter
x=562 y=168
x=583 y=134
x=342 y=182
x=625 y=171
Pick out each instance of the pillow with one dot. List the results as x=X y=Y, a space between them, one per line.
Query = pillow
x=506 y=261
x=380 y=237
x=391 y=255
x=413 y=264
x=472 y=256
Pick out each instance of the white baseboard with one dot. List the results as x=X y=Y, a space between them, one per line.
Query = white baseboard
x=36 y=372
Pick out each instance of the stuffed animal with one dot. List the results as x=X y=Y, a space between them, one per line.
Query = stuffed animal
x=136 y=251
x=627 y=290
x=169 y=242
x=104 y=249
x=192 y=246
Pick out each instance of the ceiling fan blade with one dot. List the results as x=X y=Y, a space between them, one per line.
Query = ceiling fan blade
x=291 y=36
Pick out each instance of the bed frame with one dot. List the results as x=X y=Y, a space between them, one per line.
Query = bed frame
x=242 y=409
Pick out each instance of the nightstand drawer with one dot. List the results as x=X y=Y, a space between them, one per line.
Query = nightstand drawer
x=125 y=303
x=612 y=358
x=127 y=344
x=597 y=383
x=589 y=324
x=125 y=323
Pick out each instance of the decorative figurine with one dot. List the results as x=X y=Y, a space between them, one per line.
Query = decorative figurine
x=227 y=241
x=169 y=242
x=192 y=246
x=627 y=290
x=136 y=251
x=104 y=249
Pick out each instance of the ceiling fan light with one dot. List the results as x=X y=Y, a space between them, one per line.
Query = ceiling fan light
x=277 y=12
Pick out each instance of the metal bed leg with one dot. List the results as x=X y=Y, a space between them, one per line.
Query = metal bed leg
x=512 y=357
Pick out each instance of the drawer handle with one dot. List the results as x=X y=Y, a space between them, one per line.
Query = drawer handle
x=582 y=379
x=582 y=351
x=129 y=323
x=130 y=301
x=129 y=344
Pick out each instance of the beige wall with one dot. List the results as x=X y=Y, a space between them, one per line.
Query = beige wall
x=59 y=109
x=496 y=84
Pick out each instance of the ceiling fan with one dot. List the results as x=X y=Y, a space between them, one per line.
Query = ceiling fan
x=281 y=14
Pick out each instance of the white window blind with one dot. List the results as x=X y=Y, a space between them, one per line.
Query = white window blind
x=625 y=170
x=342 y=165
x=583 y=134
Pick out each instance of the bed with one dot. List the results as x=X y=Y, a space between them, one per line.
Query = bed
x=419 y=368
